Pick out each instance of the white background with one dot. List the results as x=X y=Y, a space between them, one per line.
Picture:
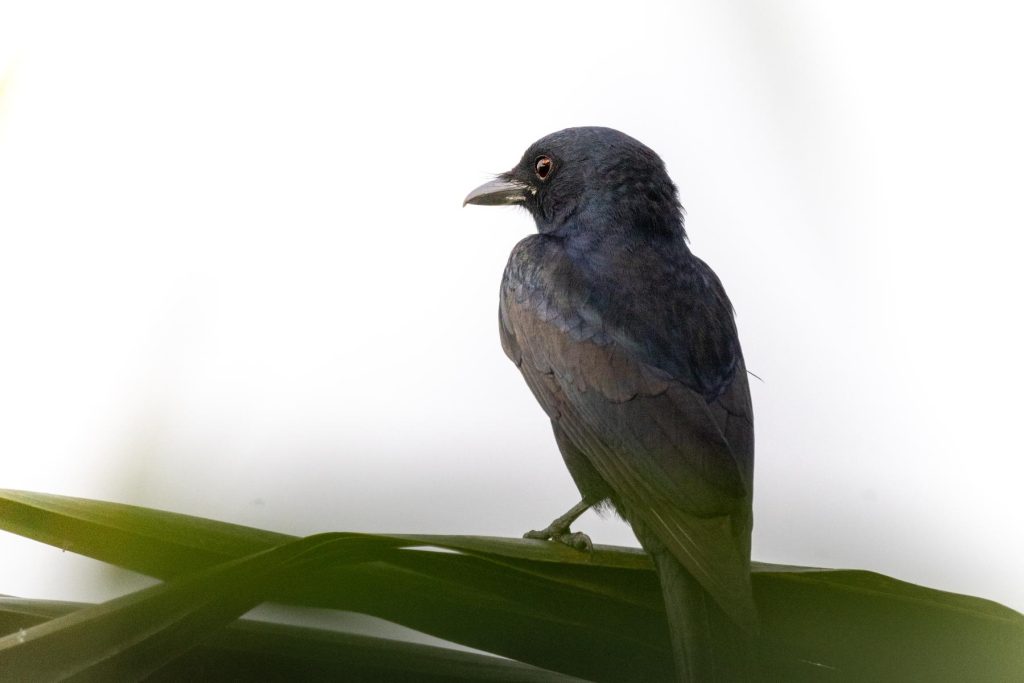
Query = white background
x=236 y=279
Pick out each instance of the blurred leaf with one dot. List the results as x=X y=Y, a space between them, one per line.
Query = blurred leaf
x=476 y=602
x=256 y=650
x=133 y=636
x=592 y=615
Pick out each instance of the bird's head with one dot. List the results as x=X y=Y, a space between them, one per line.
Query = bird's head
x=587 y=178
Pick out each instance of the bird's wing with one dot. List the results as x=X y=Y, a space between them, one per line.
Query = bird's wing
x=659 y=444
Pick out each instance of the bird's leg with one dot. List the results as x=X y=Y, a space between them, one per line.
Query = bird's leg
x=558 y=530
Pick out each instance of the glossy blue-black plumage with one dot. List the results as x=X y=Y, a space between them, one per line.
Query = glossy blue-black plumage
x=629 y=344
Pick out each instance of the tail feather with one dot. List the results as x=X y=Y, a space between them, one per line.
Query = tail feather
x=706 y=644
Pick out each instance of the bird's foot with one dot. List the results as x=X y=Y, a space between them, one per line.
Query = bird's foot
x=576 y=540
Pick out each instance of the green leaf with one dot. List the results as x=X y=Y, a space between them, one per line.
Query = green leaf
x=133 y=636
x=256 y=650
x=473 y=601
x=595 y=615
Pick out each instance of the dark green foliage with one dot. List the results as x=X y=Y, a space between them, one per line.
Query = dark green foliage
x=596 y=616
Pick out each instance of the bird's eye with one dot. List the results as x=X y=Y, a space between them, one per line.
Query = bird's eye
x=543 y=167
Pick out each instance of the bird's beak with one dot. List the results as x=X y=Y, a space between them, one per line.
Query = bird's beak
x=497 y=192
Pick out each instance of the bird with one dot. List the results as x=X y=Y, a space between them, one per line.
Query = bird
x=629 y=343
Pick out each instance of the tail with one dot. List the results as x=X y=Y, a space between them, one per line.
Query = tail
x=706 y=644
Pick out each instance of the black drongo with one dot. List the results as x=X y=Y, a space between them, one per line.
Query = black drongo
x=628 y=342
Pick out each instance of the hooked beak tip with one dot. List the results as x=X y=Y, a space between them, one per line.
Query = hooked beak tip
x=498 y=192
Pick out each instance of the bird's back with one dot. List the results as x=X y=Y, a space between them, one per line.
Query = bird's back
x=631 y=348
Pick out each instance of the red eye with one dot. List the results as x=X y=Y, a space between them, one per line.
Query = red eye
x=543 y=167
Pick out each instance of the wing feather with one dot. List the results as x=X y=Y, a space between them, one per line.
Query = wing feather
x=680 y=465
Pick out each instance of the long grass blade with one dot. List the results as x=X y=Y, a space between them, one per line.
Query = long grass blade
x=594 y=615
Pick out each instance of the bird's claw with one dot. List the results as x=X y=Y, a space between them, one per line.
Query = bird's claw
x=576 y=540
